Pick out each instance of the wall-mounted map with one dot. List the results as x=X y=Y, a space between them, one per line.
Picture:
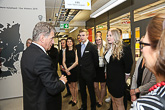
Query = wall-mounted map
x=11 y=45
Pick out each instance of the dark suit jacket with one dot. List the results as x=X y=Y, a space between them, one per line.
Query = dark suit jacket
x=116 y=70
x=53 y=53
x=41 y=85
x=88 y=62
x=60 y=57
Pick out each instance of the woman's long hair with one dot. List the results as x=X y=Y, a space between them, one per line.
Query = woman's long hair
x=117 y=45
x=102 y=47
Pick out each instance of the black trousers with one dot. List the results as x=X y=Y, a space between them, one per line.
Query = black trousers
x=90 y=84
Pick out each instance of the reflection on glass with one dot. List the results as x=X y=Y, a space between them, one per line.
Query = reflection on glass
x=149 y=11
x=137 y=45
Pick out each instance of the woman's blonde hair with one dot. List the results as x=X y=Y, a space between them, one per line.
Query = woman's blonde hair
x=102 y=47
x=117 y=45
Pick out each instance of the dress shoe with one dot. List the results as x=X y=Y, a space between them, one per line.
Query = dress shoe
x=71 y=102
x=66 y=95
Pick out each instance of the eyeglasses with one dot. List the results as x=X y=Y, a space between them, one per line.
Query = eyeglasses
x=142 y=44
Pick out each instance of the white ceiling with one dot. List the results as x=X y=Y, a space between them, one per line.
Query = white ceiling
x=53 y=6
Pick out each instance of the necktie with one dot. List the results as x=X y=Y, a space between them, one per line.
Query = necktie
x=82 y=49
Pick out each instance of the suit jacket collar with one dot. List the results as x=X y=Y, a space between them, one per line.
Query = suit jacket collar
x=79 y=49
x=86 y=48
x=85 y=43
x=39 y=46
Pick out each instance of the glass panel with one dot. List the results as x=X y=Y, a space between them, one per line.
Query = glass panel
x=93 y=34
x=103 y=28
x=137 y=45
x=149 y=10
x=123 y=22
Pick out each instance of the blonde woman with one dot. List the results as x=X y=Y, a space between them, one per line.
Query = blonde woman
x=119 y=61
x=100 y=74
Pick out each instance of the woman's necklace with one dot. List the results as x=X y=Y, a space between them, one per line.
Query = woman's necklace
x=156 y=86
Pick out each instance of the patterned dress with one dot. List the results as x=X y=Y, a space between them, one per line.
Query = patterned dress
x=151 y=101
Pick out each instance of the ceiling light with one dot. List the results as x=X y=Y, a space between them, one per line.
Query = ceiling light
x=152 y=9
x=111 y=4
x=114 y=22
x=73 y=29
x=63 y=35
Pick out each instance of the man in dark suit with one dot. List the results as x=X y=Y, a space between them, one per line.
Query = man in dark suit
x=42 y=86
x=88 y=62
x=53 y=53
x=63 y=48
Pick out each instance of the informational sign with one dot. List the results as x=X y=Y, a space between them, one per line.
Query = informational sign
x=100 y=26
x=78 y=4
x=65 y=26
x=127 y=41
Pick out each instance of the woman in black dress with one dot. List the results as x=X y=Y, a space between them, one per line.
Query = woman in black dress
x=70 y=62
x=100 y=74
x=119 y=61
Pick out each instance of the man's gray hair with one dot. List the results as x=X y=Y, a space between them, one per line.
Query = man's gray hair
x=41 y=28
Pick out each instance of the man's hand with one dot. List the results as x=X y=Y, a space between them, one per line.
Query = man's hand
x=63 y=78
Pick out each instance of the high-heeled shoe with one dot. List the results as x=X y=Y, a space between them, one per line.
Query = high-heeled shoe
x=73 y=104
x=99 y=105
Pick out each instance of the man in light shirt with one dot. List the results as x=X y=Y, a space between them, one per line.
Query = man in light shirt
x=88 y=62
